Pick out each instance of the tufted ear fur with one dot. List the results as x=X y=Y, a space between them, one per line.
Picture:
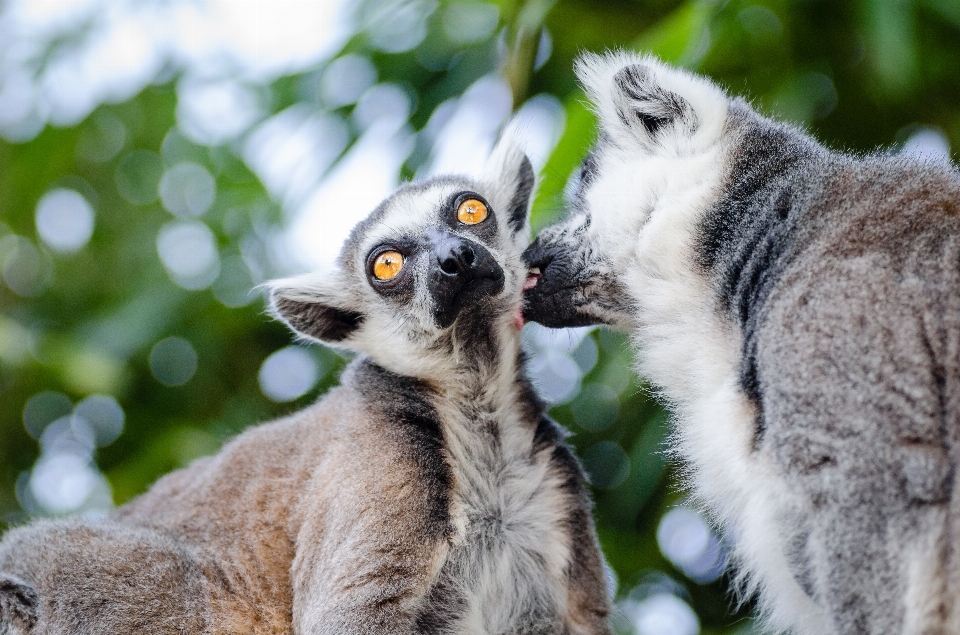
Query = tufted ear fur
x=316 y=305
x=509 y=170
x=18 y=606
x=645 y=107
x=640 y=98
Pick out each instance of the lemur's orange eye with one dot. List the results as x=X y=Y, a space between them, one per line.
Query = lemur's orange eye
x=471 y=212
x=387 y=265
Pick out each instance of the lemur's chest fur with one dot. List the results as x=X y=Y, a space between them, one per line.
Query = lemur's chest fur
x=505 y=571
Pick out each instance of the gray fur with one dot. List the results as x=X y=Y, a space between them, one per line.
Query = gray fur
x=804 y=312
x=428 y=493
x=857 y=363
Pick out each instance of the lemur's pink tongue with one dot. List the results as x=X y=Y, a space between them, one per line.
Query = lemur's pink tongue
x=533 y=277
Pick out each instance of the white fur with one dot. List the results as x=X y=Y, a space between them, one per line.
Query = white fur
x=509 y=481
x=926 y=576
x=645 y=207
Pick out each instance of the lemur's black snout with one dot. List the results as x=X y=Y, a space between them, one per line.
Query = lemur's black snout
x=458 y=261
x=555 y=299
x=461 y=273
x=539 y=256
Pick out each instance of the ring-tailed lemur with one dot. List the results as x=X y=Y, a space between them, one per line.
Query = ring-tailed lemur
x=799 y=309
x=428 y=493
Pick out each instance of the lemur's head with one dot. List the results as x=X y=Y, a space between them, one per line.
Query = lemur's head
x=432 y=276
x=661 y=131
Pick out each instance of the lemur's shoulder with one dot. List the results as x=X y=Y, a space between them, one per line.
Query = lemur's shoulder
x=371 y=412
x=882 y=202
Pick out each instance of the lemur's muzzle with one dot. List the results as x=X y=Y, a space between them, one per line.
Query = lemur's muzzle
x=553 y=295
x=461 y=273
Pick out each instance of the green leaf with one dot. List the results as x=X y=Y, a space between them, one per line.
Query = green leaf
x=577 y=137
x=683 y=37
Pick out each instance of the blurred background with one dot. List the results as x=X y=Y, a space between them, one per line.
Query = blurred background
x=160 y=158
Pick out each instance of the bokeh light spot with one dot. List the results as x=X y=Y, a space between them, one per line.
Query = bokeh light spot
x=187 y=189
x=345 y=79
x=103 y=415
x=64 y=220
x=396 y=26
x=687 y=541
x=61 y=483
x=65 y=478
x=550 y=365
x=21 y=117
x=288 y=374
x=44 y=408
x=927 y=142
x=544 y=49
x=586 y=354
x=67 y=435
x=26 y=269
x=188 y=250
x=607 y=464
x=383 y=101
x=662 y=614
x=173 y=361
x=214 y=112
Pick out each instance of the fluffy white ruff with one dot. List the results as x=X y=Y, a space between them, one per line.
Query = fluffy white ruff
x=646 y=204
x=516 y=484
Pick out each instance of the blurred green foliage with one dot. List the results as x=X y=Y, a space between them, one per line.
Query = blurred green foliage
x=860 y=75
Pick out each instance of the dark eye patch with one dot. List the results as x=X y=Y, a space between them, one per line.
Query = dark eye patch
x=486 y=230
x=400 y=287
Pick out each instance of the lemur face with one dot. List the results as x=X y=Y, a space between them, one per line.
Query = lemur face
x=435 y=266
x=434 y=270
x=658 y=128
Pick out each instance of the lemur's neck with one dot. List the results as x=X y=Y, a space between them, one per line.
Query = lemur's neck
x=484 y=371
x=480 y=390
x=751 y=233
x=478 y=368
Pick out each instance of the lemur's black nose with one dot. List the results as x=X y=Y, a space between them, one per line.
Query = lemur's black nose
x=459 y=259
x=463 y=271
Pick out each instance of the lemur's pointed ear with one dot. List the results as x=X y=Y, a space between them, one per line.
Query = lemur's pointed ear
x=316 y=306
x=645 y=98
x=646 y=107
x=509 y=170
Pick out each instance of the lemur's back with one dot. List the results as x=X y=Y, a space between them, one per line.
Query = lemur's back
x=859 y=355
x=217 y=536
x=800 y=311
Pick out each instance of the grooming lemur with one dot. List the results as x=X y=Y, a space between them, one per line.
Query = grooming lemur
x=799 y=310
x=428 y=493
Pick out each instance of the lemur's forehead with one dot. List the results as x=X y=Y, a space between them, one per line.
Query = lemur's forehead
x=409 y=212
